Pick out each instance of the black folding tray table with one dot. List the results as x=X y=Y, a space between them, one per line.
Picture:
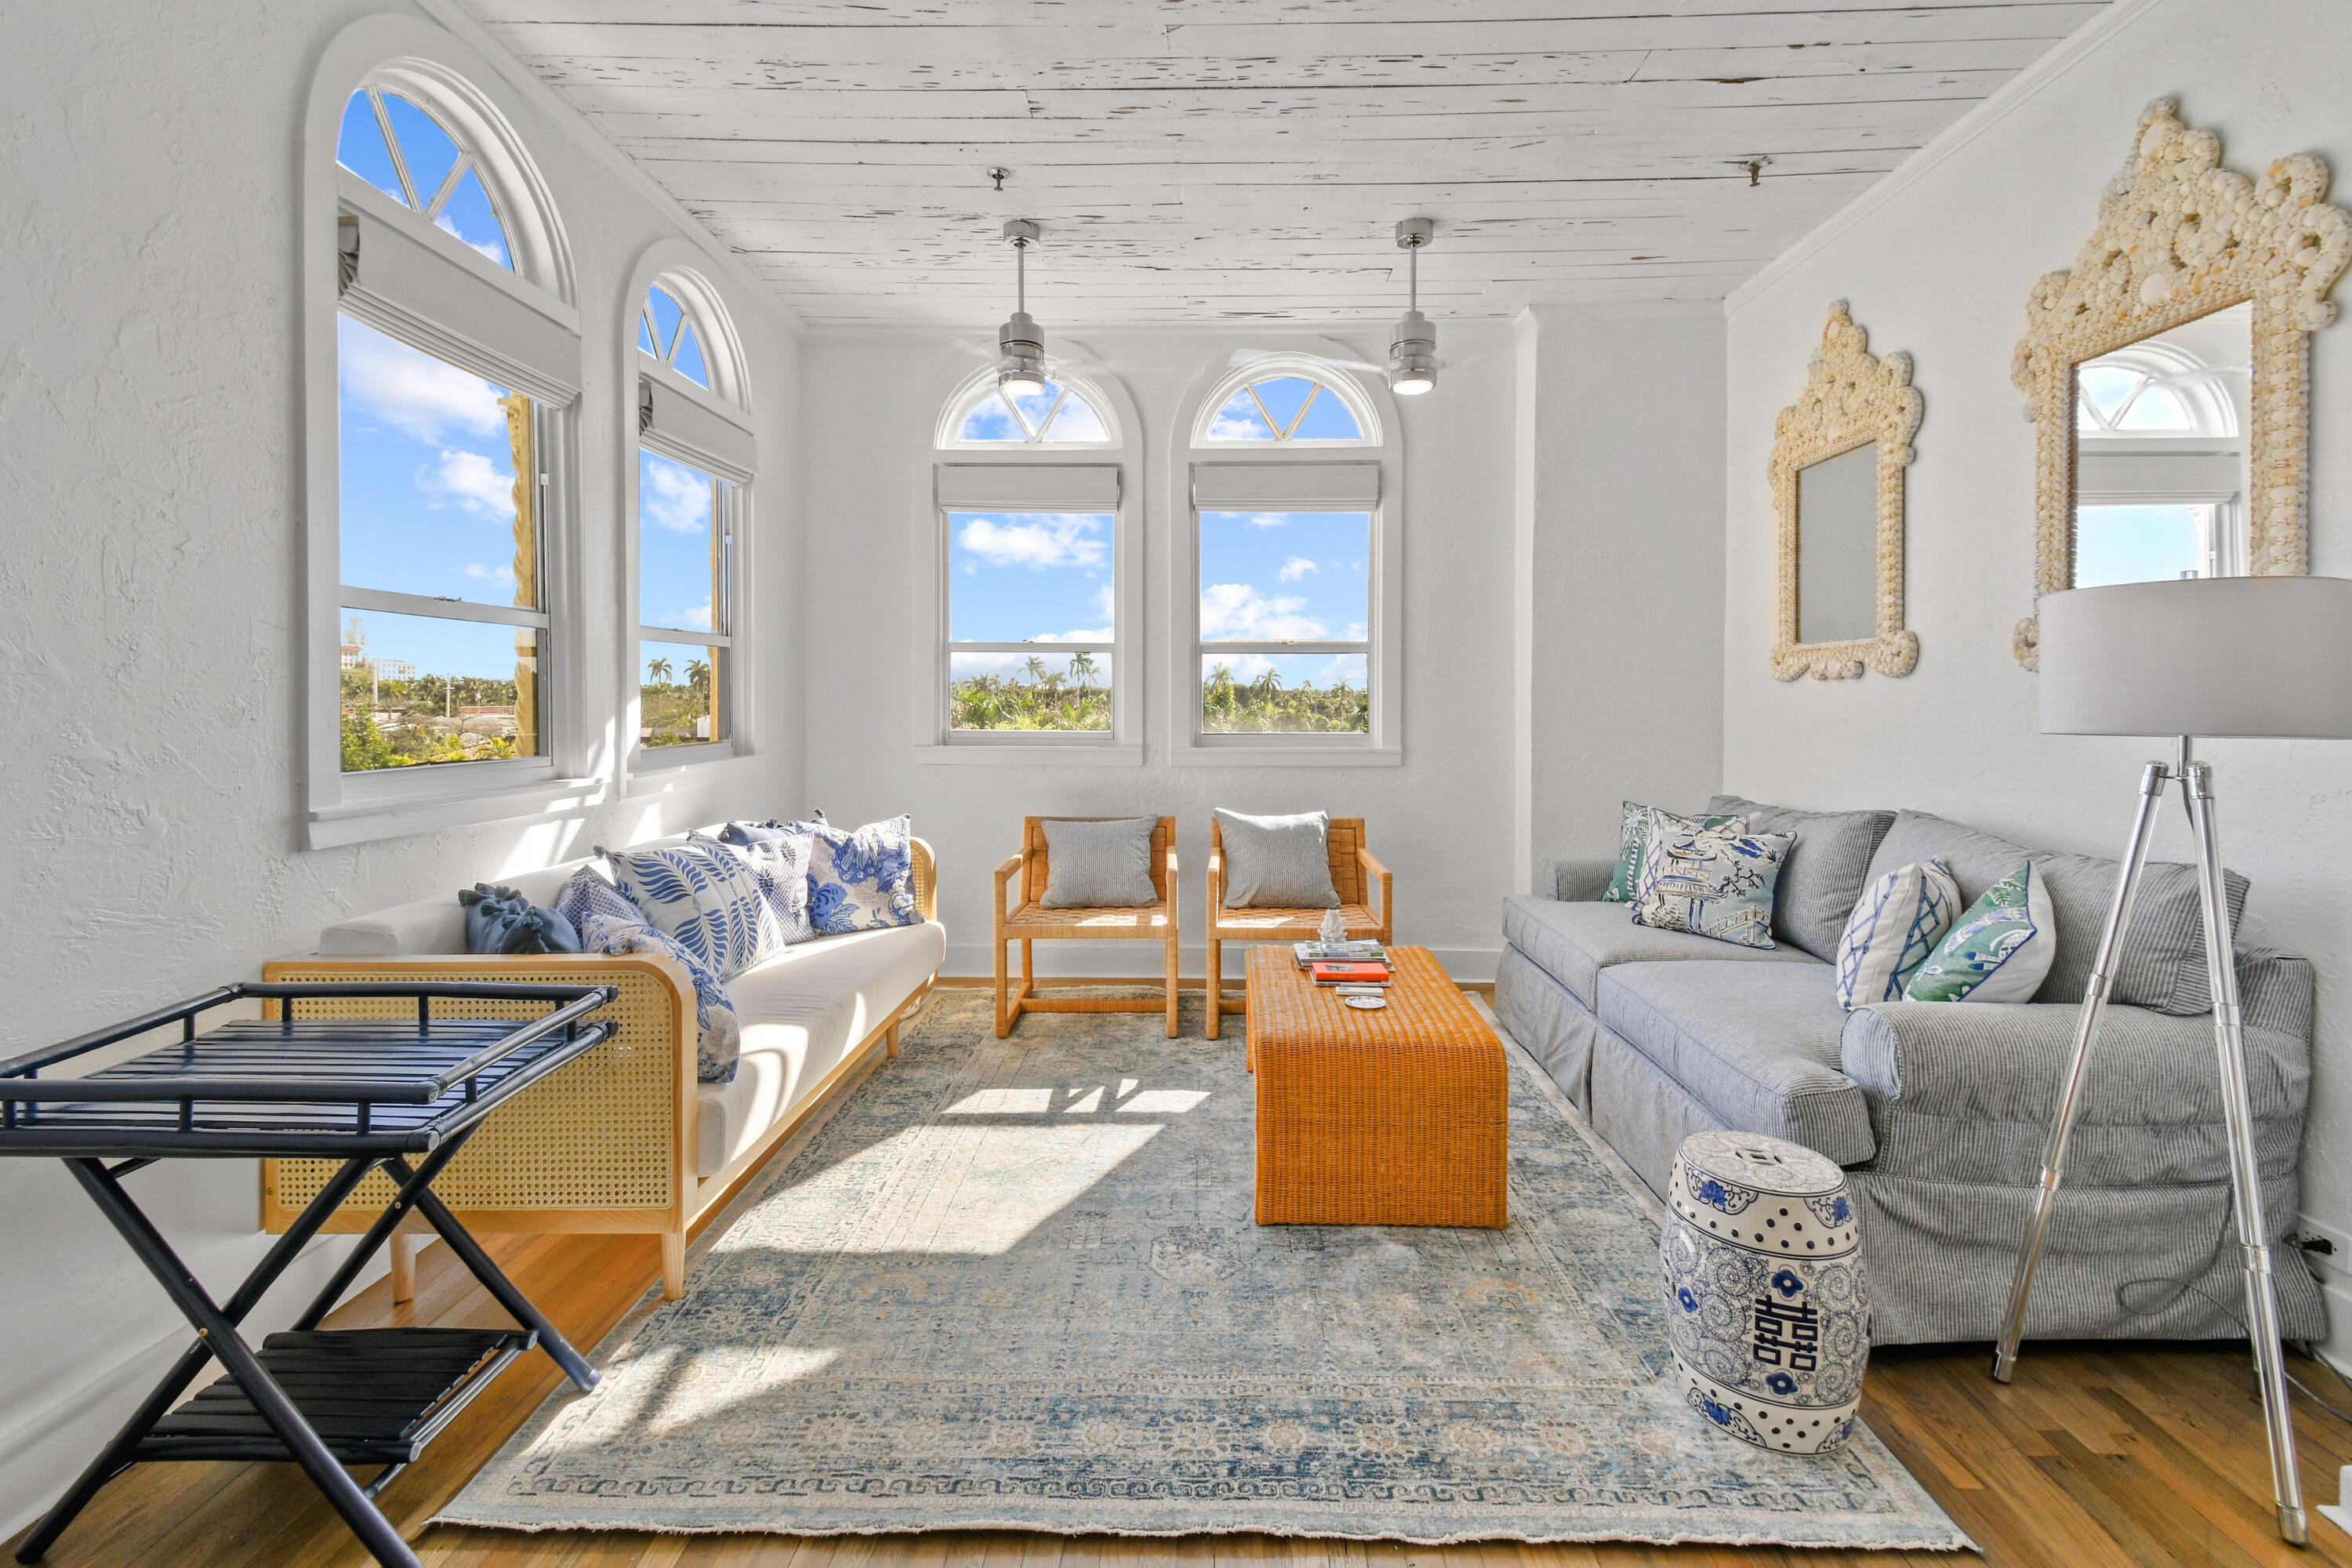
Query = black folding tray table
x=372 y=1093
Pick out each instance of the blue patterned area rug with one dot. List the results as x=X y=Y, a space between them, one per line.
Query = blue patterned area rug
x=1016 y=1284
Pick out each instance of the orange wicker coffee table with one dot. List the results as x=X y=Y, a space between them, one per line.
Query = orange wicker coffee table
x=1394 y=1117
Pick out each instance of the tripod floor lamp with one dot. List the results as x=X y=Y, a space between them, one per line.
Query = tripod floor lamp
x=2215 y=657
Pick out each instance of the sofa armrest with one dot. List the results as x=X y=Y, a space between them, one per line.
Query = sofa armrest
x=1575 y=880
x=2004 y=1062
x=927 y=879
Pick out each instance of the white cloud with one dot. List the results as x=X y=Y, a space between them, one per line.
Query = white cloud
x=1295 y=568
x=1244 y=425
x=502 y=576
x=413 y=392
x=1103 y=601
x=1037 y=539
x=1236 y=611
x=489 y=248
x=672 y=496
x=475 y=482
x=1102 y=634
x=1268 y=519
x=699 y=617
x=1348 y=669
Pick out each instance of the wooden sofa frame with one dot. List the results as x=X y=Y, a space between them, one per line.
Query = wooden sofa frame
x=605 y=1145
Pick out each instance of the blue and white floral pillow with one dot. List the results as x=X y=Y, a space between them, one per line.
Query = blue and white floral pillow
x=863 y=881
x=779 y=863
x=607 y=923
x=703 y=896
x=1895 y=924
x=1709 y=883
x=2000 y=950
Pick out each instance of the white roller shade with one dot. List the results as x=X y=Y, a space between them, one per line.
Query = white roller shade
x=1237 y=487
x=399 y=282
x=701 y=436
x=1029 y=487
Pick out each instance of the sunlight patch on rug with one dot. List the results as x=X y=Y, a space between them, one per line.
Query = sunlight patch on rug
x=1016 y=1284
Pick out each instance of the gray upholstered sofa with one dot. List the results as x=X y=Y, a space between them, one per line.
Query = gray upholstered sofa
x=1940 y=1111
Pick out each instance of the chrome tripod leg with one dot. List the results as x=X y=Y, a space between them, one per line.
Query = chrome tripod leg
x=2070 y=1095
x=2245 y=1168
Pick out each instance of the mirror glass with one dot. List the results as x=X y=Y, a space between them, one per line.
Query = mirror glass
x=2160 y=454
x=1837 y=547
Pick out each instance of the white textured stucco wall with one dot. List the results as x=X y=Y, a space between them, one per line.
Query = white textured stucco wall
x=1440 y=821
x=1941 y=269
x=150 y=570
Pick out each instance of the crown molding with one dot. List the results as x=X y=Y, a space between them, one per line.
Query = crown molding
x=453 y=16
x=2007 y=100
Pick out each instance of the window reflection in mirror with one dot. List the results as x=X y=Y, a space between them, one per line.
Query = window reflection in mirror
x=2160 y=453
x=1837 y=547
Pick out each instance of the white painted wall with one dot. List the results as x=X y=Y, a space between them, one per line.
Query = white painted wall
x=149 y=567
x=1442 y=821
x=1620 y=482
x=1941 y=269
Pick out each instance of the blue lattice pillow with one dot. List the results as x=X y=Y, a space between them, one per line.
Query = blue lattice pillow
x=1895 y=924
x=701 y=895
x=863 y=881
x=608 y=922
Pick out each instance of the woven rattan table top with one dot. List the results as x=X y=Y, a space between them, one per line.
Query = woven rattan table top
x=1425 y=1007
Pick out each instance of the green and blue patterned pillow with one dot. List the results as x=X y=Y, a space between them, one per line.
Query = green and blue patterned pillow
x=1893 y=930
x=1633 y=838
x=1711 y=884
x=1999 y=951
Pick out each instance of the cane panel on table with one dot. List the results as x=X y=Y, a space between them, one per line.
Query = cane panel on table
x=1399 y=1116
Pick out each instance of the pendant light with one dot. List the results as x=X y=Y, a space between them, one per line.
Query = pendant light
x=1020 y=345
x=1412 y=346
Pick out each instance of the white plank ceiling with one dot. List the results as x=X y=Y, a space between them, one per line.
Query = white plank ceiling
x=1197 y=160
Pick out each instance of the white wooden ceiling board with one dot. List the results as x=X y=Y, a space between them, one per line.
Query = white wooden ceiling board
x=1199 y=160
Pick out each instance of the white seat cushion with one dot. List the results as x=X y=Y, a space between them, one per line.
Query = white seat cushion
x=802 y=1011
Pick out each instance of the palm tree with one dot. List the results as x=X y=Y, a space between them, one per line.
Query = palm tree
x=1082 y=664
x=657 y=672
x=1034 y=669
x=698 y=675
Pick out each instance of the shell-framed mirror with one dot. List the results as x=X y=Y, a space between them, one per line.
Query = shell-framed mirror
x=2167 y=375
x=1838 y=457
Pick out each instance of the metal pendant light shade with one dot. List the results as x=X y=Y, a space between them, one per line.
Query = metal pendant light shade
x=1021 y=343
x=1412 y=346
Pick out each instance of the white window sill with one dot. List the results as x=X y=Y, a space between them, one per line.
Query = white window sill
x=365 y=822
x=1280 y=756
x=668 y=769
x=1045 y=755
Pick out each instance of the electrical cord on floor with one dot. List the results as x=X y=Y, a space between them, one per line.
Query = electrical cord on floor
x=2186 y=1283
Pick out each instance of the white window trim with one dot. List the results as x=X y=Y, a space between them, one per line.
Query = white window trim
x=452 y=80
x=1190 y=450
x=675 y=266
x=934 y=742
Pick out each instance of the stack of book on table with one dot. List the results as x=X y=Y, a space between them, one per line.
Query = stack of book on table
x=1351 y=965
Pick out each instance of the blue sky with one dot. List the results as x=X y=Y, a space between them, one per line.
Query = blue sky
x=1030 y=576
x=2135 y=544
x=1269 y=577
x=673 y=570
x=430 y=155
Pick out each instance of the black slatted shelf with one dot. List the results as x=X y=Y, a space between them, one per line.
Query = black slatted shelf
x=375 y=1396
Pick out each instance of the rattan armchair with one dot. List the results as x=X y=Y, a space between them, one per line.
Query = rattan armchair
x=1355 y=873
x=1029 y=921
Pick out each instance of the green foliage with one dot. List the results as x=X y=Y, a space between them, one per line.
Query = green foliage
x=400 y=723
x=1073 y=699
x=669 y=709
x=1261 y=706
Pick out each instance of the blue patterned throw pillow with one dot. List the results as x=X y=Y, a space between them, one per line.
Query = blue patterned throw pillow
x=779 y=863
x=1716 y=884
x=1895 y=924
x=1999 y=951
x=701 y=895
x=607 y=923
x=1633 y=837
x=863 y=881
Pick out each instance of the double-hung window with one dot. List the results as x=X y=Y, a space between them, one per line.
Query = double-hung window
x=1286 y=571
x=694 y=460
x=453 y=372
x=1035 y=570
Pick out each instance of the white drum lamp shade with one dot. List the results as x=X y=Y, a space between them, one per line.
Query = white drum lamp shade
x=2214 y=657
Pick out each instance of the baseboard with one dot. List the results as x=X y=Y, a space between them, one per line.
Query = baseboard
x=2334 y=1272
x=1103 y=962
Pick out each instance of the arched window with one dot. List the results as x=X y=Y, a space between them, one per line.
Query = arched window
x=454 y=359
x=1286 y=589
x=689 y=502
x=1037 y=573
x=2160 y=454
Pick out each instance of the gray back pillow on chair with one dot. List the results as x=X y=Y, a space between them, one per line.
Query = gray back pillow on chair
x=1826 y=869
x=1278 y=862
x=1098 y=864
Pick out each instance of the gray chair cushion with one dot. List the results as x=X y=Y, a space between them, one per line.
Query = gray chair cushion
x=1098 y=864
x=1278 y=862
x=2162 y=964
x=1756 y=1043
x=1574 y=942
x=1825 y=871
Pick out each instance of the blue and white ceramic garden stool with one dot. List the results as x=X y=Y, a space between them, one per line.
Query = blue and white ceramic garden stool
x=1767 y=1305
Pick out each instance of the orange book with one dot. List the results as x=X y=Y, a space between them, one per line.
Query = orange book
x=1337 y=973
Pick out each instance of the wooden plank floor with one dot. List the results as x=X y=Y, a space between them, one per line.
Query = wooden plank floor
x=2097 y=1455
